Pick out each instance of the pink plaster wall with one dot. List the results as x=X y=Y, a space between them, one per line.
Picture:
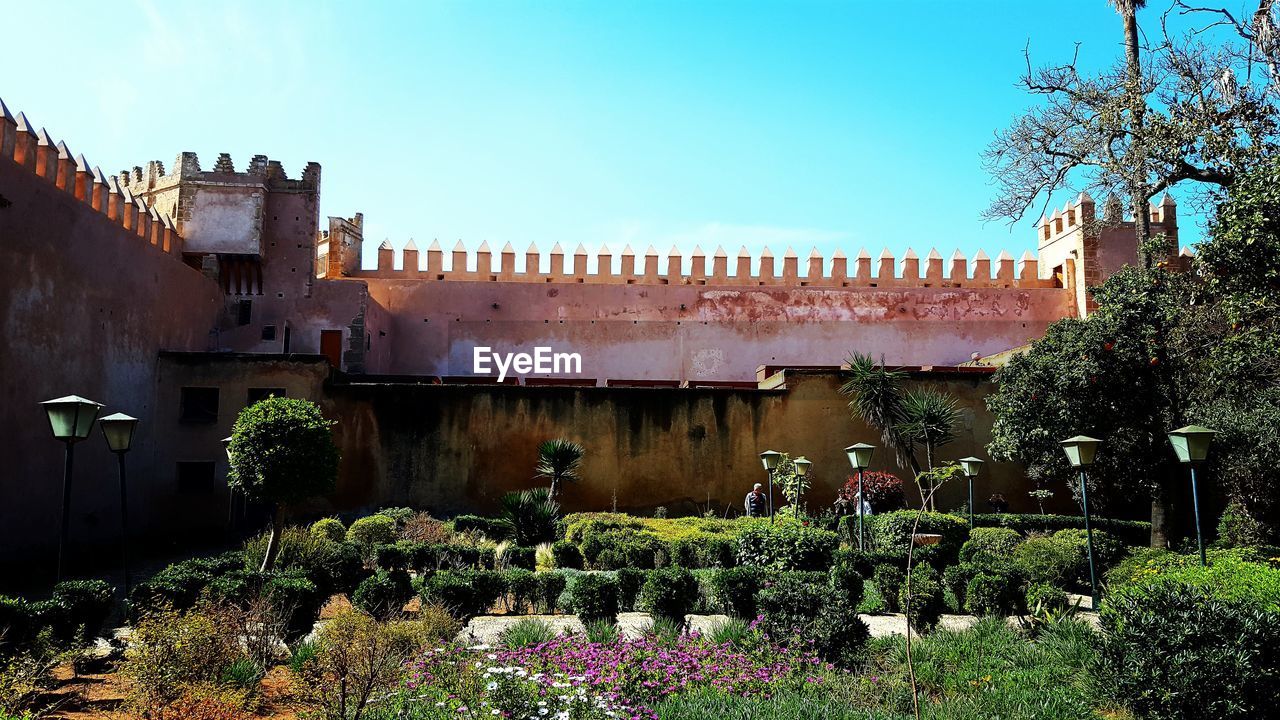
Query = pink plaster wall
x=84 y=309
x=690 y=332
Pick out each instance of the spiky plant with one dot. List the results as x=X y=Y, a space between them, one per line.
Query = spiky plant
x=532 y=514
x=875 y=397
x=559 y=462
x=930 y=419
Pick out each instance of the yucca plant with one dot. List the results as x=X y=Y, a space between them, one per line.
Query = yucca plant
x=928 y=418
x=559 y=461
x=532 y=514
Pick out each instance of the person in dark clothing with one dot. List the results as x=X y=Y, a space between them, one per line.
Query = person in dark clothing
x=756 y=503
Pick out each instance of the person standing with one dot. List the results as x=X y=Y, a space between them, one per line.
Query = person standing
x=756 y=503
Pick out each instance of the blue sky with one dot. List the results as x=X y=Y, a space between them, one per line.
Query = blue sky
x=828 y=124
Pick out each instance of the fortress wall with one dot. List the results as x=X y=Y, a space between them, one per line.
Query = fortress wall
x=95 y=287
x=458 y=448
x=695 y=332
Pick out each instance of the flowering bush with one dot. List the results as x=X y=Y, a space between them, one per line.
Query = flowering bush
x=572 y=677
x=883 y=490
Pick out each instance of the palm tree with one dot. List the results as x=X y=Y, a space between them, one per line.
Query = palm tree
x=559 y=461
x=876 y=399
x=929 y=418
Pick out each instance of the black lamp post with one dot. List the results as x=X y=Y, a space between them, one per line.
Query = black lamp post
x=860 y=459
x=1080 y=451
x=971 y=467
x=70 y=418
x=231 y=491
x=118 y=430
x=1191 y=444
x=770 y=460
x=802 y=465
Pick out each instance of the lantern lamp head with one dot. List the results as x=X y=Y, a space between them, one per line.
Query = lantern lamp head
x=860 y=455
x=1081 y=450
x=71 y=417
x=971 y=466
x=118 y=430
x=770 y=459
x=1191 y=443
x=802 y=466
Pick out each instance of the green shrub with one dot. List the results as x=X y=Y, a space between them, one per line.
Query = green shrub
x=595 y=597
x=670 y=593
x=177 y=586
x=550 y=587
x=21 y=621
x=495 y=529
x=716 y=551
x=630 y=580
x=1239 y=528
x=956 y=579
x=889 y=580
x=330 y=529
x=846 y=584
x=993 y=593
x=623 y=548
x=396 y=556
x=399 y=515
x=1045 y=597
x=785 y=545
x=839 y=636
x=735 y=590
x=927 y=601
x=522 y=588
x=516 y=556
x=1129 y=531
x=567 y=555
x=454 y=556
x=369 y=532
x=384 y=594
x=1175 y=647
x=464 y=593
x=1108 y=551
x=892 y=531
x=683 y=553
x=1230 y=576
x=866 y=561
x=790 y=602
x=989 y=542
x=86 y=603
x=296 y=597
x=1050 y=560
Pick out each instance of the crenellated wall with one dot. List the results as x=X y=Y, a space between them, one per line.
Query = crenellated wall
x=95 y=288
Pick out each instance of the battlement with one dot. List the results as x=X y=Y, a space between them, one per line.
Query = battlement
x=718 y=269
x=1080 y=215
x=35 y=150
x=261 y=171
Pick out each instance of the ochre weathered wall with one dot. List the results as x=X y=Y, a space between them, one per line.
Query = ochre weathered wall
x=85 y=307
x=458 y=448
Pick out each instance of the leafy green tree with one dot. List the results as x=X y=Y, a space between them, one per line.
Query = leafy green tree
x=560 y=462
x=282 y=452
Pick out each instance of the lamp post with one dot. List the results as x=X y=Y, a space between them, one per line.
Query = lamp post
x=860 y=459
x=70 y=418
x=118 y=430
x=971 y=467
x=231 y=492
x=770 y=460
x=1191 y=444
x=1080 y=451
x=802 y=465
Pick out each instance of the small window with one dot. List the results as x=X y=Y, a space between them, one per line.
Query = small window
x=244 y=312
x=199 y=405
x=257 y=395
x=268 y=332
x=195 y=478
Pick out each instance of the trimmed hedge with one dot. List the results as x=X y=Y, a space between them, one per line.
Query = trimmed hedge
x=495 y=529
x=464 y=593
x=670 y=593
x=786 y=545
x=892 y=531
x=383 y=594
x=1192 y=642
x=1132 y=532
x=566 y=555
x=595 y=597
